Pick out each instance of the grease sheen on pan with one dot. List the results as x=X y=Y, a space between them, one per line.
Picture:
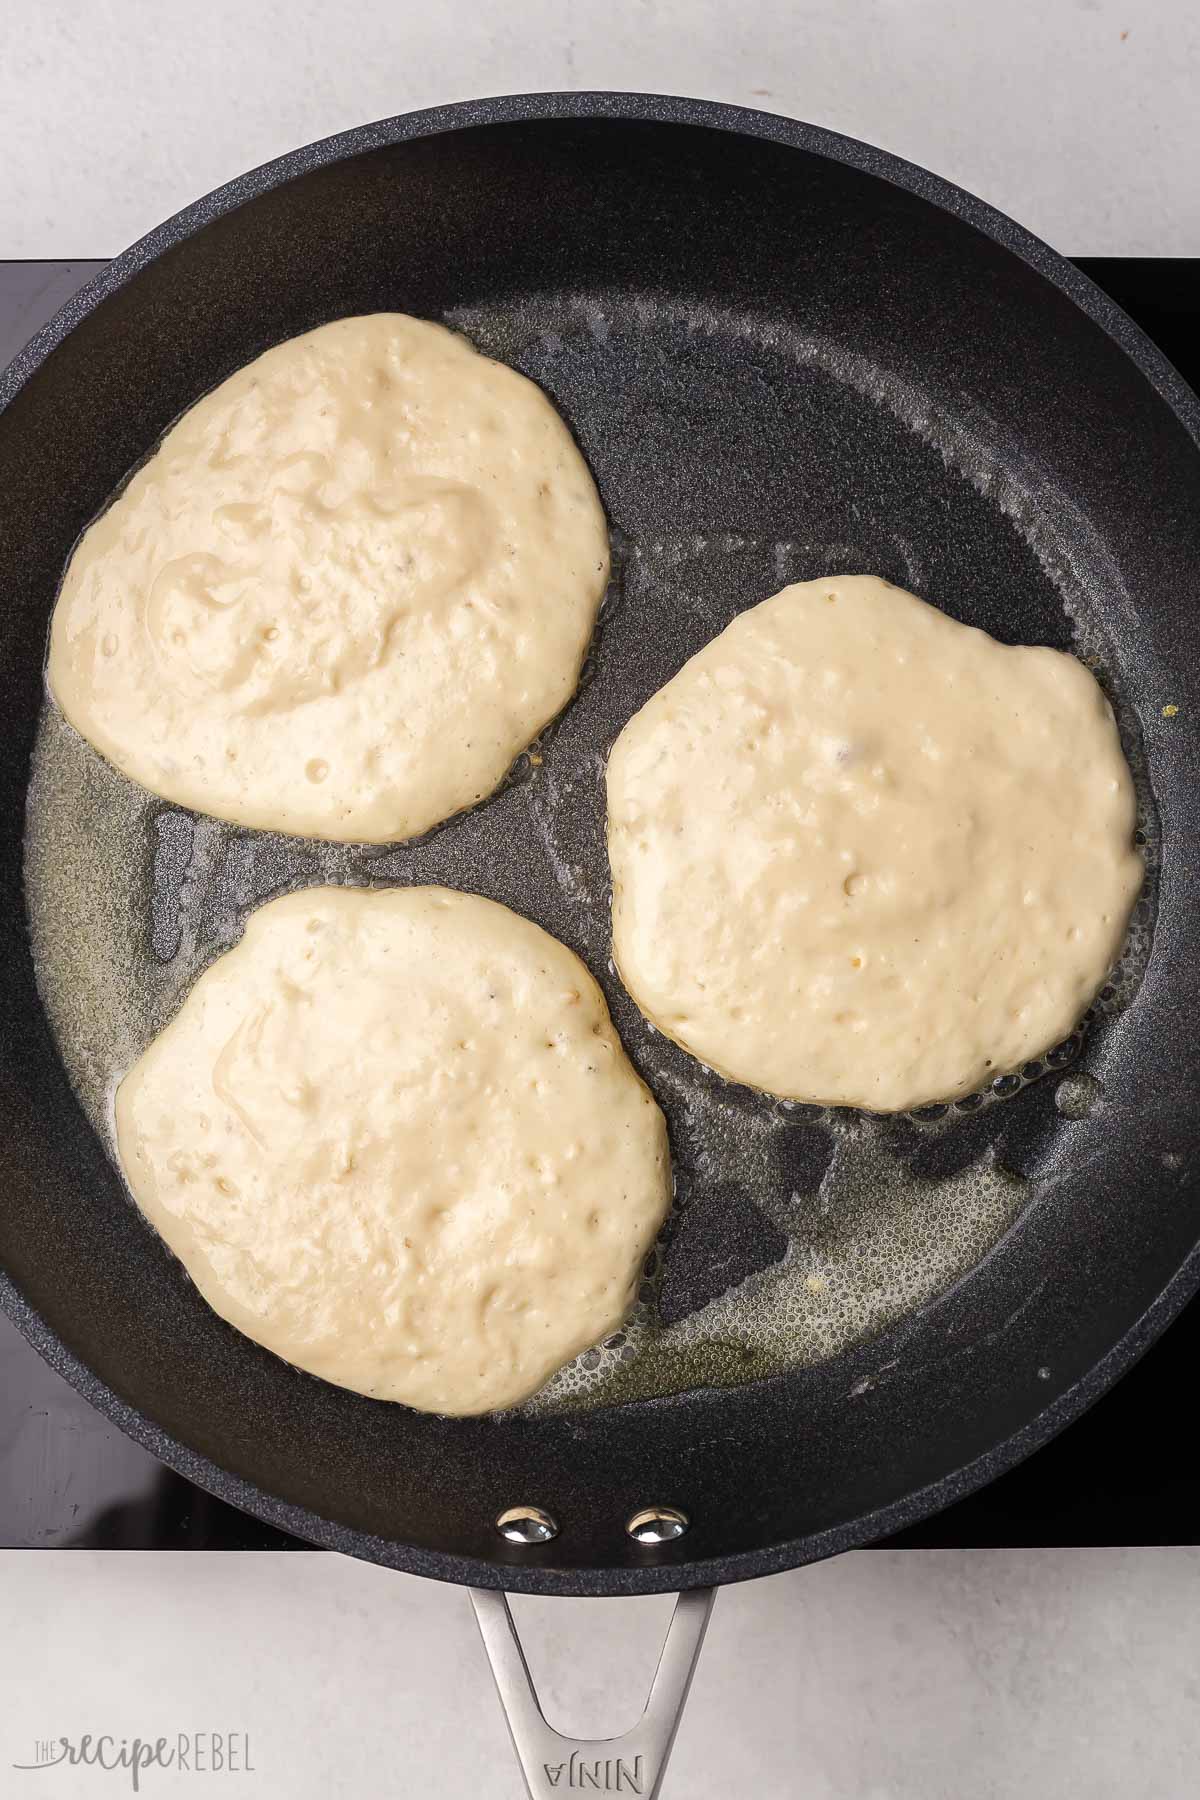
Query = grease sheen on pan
x=393 y=1136
x=349 y=586
x=863 y=855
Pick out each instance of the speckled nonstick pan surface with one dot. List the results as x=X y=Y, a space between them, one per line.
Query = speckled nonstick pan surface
x=784 y=354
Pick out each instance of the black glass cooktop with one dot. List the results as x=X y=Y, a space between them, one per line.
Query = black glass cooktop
x=1126 y=1473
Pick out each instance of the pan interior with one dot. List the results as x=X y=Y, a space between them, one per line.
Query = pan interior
x=845 y=1223
x=778 y=366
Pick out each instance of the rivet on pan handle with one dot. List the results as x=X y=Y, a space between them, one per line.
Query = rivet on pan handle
x=556 y=1765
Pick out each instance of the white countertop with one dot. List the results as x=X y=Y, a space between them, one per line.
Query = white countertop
x=888 y=1675
x=1079 y=117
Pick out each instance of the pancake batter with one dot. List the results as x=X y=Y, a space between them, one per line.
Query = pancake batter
x=347 y=589
x=863 y=855
x=393 y=1136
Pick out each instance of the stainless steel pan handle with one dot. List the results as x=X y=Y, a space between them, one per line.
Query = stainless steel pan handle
x=554 y=1765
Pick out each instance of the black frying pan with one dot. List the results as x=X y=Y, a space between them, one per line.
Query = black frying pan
x=783 y=353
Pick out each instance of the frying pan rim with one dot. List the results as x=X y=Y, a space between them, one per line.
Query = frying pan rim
x=526 y=1576
x=618 y=106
